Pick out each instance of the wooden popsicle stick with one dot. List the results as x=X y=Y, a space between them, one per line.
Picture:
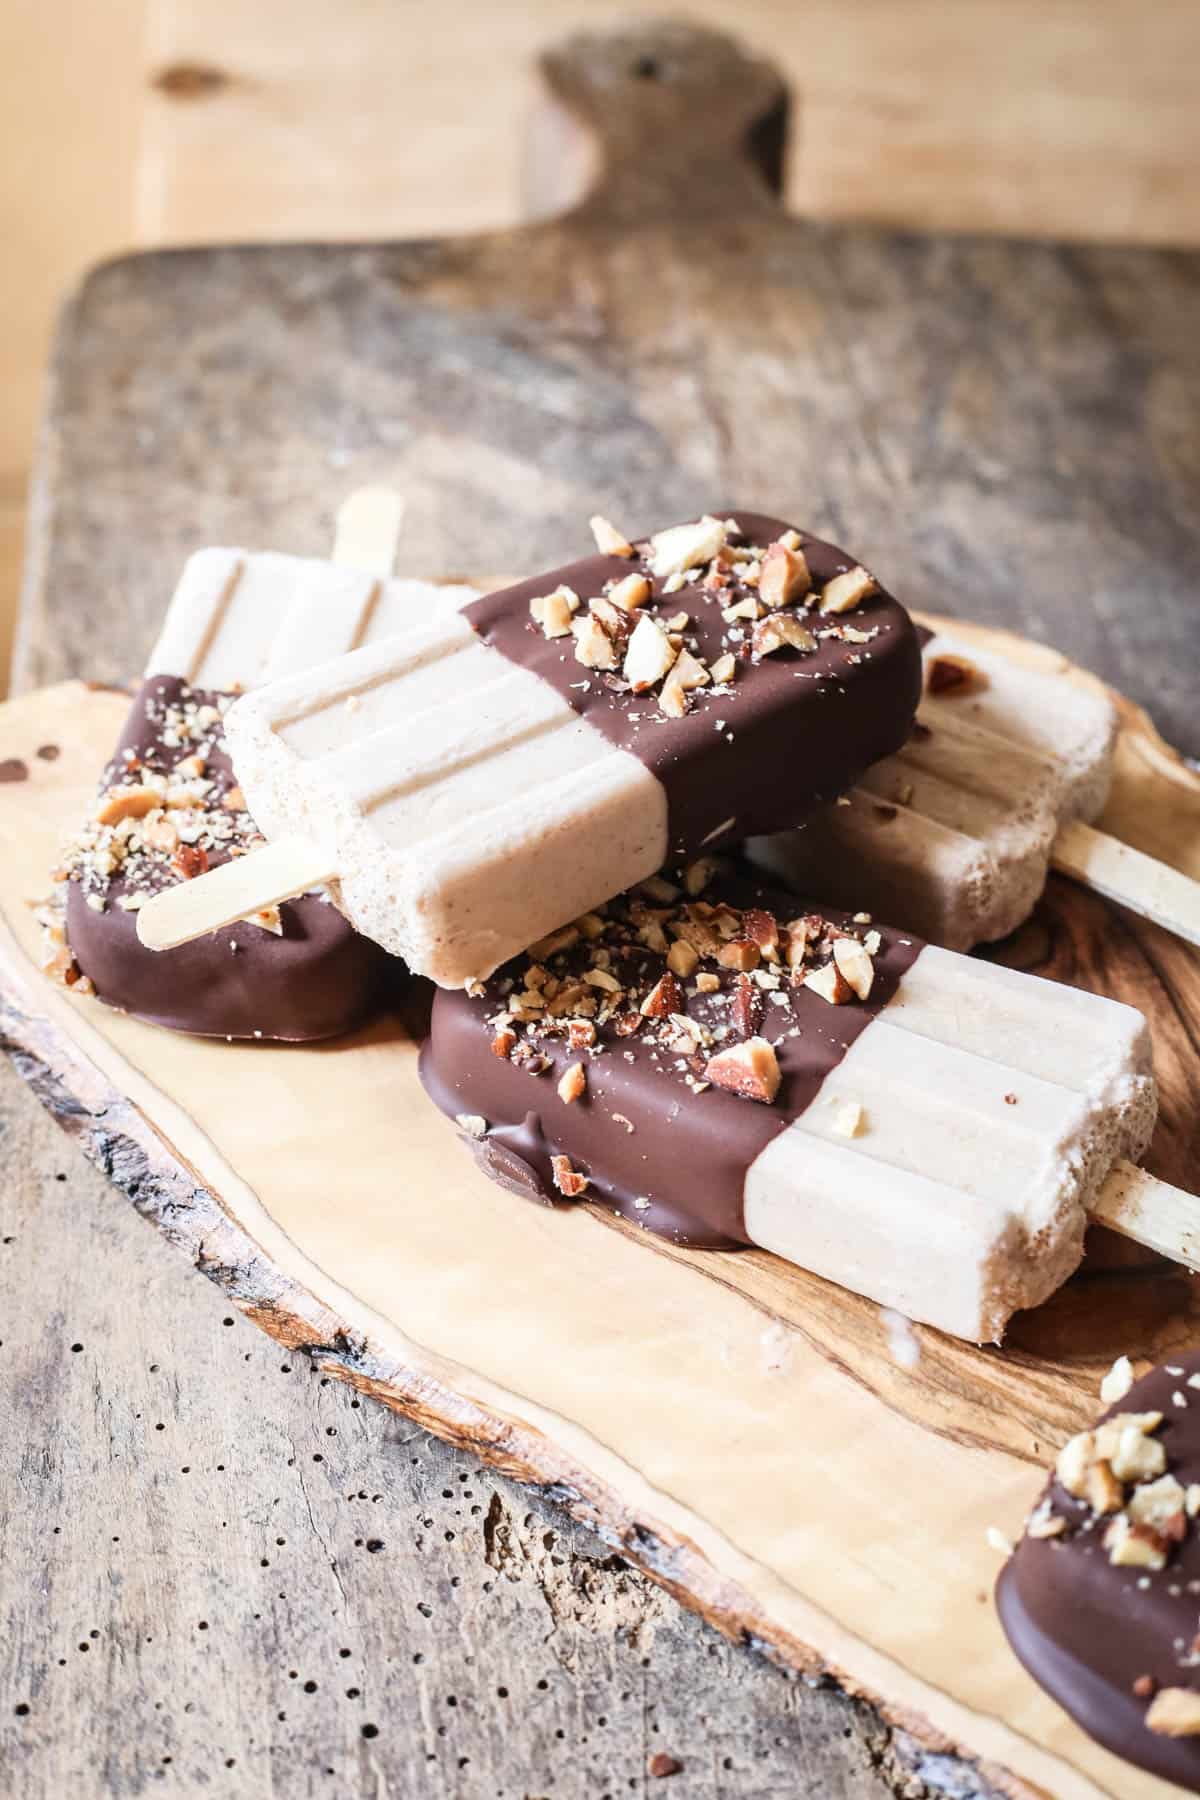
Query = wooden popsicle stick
x=1150 y=888
x=367 y=533
x=1151 y=1212
x=235 y=890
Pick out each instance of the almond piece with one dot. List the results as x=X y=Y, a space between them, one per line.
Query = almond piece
x=573 y=1083
x=689 y=671
x=504 y=1043
x=682 y=959
x=781 y=631
x=682 y=547
x=553 y=611
x=630 y=593
x=847 y=1119
x=594 y=647
x=749 y=1069
x=1074 y=1460
x=190 y=860
x=234 y=801
x=649 y=656
x=762 y=928
x=724 y=669
x=1174 y=1712
x=947 y=673
x=127 y=803
x=664 y=998
x=609 y=541
x=847 y=591
x=784 y=576
x=160 y=834
x=1132 y=1546
x=830 y=983
x=566 y=1179
x=854 y=965
x=707 y=983
x=672 y=700
x=745 y=1012
x=739 y=953
x=1104 y=1492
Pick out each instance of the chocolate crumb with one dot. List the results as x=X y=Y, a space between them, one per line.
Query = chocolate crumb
x=49 y=752
x=13 y=769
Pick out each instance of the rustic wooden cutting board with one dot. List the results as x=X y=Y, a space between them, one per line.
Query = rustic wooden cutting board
x=1010 y=432
x=740 y=1429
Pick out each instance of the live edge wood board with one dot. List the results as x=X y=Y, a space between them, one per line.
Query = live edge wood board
x=1007 y=431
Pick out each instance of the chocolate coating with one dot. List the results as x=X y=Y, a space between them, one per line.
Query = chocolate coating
x=316 y=979
x=798 y=728
x=1087 y=1631
x=639 y=1132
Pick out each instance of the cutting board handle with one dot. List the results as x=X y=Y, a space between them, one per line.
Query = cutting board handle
x=655 y=119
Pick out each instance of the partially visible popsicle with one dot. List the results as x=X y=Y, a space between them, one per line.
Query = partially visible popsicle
x=169 y=805
x=476 y=781
x=721 y=1064
x=954 y=835
x=1101 y=1599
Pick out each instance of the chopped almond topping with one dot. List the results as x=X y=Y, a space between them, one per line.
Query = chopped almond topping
x=682 y=960
x=504 y=1043
x=160 y=834
x=673 y=700
x=566 y=1179
x=127 y=803
x=749 y=1069
x=854 y=965
x=762 y=928
x=594 y=647
x=739 y=953
x=234 y=801
x=847 y=591
x=649 y=656
x=682 y=547
x=1117 y=1382
x=781 y=631
x=630 y=593
x=830 y=983
x=707 y=983
x=609 y=541
x=689 y=671
x=784 y=576
x=191 y=860
x=948 y=673
x=573 y=1083
x=1104 y=1492
x=1174 y=1712
x=553 y=612
x=665 y=997
x=724 y=669
x=847 y=1119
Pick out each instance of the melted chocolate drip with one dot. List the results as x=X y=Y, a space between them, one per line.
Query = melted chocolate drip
x=654 y=1150
x=317 y=979
x=798 y=728
x=1087 y=1631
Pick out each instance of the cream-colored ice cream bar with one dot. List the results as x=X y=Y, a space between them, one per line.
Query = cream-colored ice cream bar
x=954 y=834
x=241 y=618
x=924 y=1128
x=475 y=780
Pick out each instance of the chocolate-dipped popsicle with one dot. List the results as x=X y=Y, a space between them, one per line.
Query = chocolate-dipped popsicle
x=470 y=785
x=721 y=1064
x=168 y=808
x=1101 y=1599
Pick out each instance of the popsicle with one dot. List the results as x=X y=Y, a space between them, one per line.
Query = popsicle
x=169 y=803
x=479 y=779
x=954 y=835
x=1101 y=1599
x=723 y=1065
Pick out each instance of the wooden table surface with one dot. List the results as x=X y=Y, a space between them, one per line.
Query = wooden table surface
x=222 y=1572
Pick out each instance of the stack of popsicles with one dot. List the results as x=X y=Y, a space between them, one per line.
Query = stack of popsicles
x=536 y=798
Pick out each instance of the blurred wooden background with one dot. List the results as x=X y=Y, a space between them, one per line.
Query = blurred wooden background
x=143 y=122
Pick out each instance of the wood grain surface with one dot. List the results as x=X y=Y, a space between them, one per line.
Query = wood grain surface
x=976 y=418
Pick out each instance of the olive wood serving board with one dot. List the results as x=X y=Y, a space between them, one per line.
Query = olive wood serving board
x=741 y=1430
